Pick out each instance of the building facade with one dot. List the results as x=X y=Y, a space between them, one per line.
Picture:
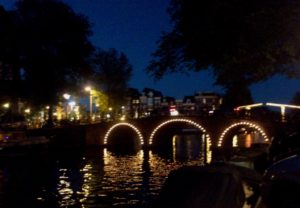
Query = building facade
x=152 y=103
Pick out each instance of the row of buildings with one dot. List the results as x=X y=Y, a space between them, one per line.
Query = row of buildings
x=151 y=102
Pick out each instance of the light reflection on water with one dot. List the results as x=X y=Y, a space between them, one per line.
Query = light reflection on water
x=95 y=178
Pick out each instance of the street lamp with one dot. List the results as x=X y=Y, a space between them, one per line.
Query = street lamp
x=71 y=105
x=27 y=110
x=66 y=97
x=6 y=105
x=89 y=89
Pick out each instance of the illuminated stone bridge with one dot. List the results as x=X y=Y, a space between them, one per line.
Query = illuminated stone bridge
x=148 y=132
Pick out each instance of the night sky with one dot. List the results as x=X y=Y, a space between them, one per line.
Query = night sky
x=134 y=26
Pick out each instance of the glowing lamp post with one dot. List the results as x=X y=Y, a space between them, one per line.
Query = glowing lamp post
x=6 y=105
x=72 y=105
x=27 y=111
x=89 y=89
x=66 y=97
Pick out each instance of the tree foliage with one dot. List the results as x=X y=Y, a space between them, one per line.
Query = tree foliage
x=54 y=45
x=8 y=56
x=243 y=42
x=6 y=40
x=296 y=99
x=112 y=72
x=133 y=93
x=100 y=100
x=49 y=41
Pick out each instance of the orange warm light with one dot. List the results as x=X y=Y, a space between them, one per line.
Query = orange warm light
x=193 y=123
x=248 y=107
x=244 y=123
x=124 y=124
x=283 y=105
x=176 y=120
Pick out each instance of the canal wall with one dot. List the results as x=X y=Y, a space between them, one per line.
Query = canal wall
x=72 y=136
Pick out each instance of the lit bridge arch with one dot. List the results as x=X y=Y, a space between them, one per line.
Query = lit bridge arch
x=193 y=123
x=243 y=123
x=139 y=134
x=207 y=138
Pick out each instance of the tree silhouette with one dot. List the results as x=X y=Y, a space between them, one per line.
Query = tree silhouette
x=243 y=42
x=295 y=112
x=52 y=47
x=11 y=84
x=112 y=72
x=296 y=99
x=44 y=47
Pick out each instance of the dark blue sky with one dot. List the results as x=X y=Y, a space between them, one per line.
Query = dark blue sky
x=134 y=26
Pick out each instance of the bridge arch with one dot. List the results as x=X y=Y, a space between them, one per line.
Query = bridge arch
x=138 y=132
x=243 y=123
x=182 y=120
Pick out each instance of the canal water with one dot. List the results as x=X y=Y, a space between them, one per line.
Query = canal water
x=93 y=177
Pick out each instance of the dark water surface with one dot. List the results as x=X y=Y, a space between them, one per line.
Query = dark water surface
x=92 y=177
